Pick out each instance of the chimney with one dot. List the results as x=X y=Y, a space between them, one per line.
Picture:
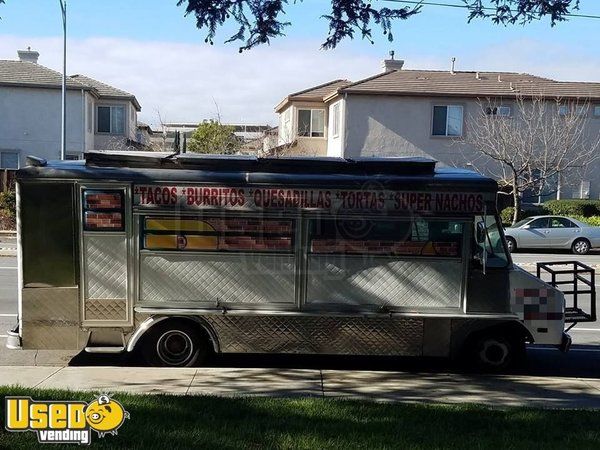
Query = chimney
x=28 y=55
x=392 y=64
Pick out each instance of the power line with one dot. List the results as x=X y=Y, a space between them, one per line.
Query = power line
x=487 y=8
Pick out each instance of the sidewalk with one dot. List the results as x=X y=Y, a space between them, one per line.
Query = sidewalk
x=499 y=391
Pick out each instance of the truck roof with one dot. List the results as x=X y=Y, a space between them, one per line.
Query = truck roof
x=157 y=167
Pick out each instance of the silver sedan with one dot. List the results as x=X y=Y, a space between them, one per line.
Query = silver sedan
x=553 y=232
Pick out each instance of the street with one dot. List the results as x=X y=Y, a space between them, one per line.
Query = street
x=582 y=361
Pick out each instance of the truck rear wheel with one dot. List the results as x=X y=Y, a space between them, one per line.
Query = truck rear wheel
x=494 y=352
x=174 y=344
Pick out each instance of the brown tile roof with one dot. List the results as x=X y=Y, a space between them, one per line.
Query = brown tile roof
x=23 y=73
x=106 y=90
x=469 y=84
x=314 y=94
x=28 y=74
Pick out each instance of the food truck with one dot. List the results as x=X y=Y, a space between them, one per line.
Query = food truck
x=173 y=256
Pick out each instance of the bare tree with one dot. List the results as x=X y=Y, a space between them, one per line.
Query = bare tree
x=542 y=141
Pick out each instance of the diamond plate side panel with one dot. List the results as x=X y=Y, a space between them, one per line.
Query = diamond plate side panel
x=358 y=281
x=105 y=266
x=319 y=335
x=51 y=319
x=248 y=279
x=105 y=309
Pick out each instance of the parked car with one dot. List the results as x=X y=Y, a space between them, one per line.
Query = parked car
x=553 y=232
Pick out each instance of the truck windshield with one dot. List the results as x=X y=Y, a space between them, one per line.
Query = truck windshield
x=491 y=242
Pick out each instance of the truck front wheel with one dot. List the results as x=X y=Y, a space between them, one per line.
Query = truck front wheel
x=174 y=344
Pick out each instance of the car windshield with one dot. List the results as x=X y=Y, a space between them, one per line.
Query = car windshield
x=520 y=223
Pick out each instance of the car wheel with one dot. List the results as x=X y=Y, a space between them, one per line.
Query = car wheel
x=174 y=344
x=511 y=244
x=581 y=246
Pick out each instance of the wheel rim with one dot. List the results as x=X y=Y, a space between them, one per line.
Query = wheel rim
x=494 y=353
x=510 y=244
x=581 y=247
x=175 y=348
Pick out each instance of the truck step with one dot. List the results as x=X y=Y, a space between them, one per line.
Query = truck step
x=99 y=349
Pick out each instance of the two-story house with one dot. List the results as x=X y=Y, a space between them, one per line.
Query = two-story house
x=99 y=116
x=402 y=112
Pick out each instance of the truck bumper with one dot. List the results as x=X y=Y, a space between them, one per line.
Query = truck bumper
x=565 y=343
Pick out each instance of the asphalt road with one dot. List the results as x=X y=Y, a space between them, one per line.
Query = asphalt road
x=582 y=361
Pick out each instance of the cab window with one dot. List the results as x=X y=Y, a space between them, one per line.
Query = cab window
x=489 y=241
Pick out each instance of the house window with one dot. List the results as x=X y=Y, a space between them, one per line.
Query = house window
x=577 y=110
x=9 y=160
x=111 y=119
x=336 y=120
x=597 y=111
x=311 y=122
x=447 y=120
x=500 y=111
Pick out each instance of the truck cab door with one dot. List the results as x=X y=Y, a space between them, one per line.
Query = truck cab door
x=488 y=282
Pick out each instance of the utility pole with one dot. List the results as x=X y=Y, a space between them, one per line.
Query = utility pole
x=63 y=131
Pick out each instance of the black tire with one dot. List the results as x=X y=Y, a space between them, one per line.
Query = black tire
x=511 y=244
x=495 y=352
x=174 y=344
x=581 y=246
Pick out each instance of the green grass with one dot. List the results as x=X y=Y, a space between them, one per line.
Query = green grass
x=169 y=422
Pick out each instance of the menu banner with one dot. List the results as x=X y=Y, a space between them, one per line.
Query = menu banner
x=326 y=200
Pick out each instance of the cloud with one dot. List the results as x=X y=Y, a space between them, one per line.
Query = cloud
x=185 y=81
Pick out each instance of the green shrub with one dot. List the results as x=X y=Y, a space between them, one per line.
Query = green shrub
x=506 y=215
x=8 y=203
x=593 y=220
x=584 y=208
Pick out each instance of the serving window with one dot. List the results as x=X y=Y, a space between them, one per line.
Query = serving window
x=231 y=234
x=420 y=237
x=103 y=210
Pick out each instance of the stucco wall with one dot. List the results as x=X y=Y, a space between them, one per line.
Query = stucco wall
x=401 y=126
x=31 y=121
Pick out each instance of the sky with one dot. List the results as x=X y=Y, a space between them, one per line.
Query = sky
x=148 y=48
